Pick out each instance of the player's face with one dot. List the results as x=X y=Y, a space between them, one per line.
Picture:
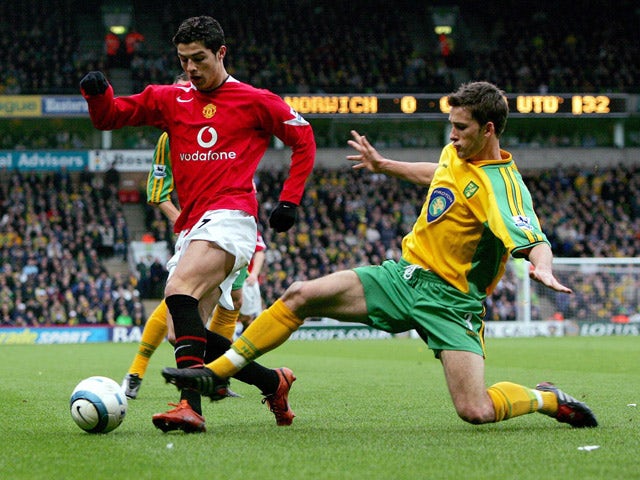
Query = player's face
x=203 y=66
x=468 y=137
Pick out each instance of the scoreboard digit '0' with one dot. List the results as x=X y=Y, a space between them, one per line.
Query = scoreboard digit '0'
x=434 y=106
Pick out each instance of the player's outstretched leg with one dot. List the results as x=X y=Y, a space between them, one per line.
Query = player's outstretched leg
x=570 y=410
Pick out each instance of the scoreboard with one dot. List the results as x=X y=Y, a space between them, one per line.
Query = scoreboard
x=430 y=106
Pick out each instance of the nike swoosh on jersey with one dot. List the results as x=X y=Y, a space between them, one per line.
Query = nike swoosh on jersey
x=184 y=100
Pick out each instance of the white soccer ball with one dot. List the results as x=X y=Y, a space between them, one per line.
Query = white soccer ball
x=98 y=404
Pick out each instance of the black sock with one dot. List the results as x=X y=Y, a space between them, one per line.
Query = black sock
x=264 y=378
x=190 y=339
x=193 y=397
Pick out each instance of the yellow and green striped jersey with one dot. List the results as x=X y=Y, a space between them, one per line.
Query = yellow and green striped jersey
x=160 y=178
x=475 y=215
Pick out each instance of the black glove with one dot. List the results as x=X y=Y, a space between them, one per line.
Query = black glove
x=283 y=216
x=94 y=83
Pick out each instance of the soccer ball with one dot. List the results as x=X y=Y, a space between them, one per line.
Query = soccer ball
x=98 y=404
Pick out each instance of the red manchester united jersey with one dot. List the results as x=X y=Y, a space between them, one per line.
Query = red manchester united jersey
x=217 y=140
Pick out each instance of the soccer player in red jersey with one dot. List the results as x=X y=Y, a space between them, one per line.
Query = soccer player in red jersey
x=220 y=129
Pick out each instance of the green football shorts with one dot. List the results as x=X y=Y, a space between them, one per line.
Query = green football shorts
x=401 y=296
x=239 y=281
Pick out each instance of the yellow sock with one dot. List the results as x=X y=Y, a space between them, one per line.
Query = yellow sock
x=512 y=400
x=549 y=403
x=269 y=330
x=224 y=321
x=152 y=335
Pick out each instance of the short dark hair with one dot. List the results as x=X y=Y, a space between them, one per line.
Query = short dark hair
x=202 y=29
x=485 y=102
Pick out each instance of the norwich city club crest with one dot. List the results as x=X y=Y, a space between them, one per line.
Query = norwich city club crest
x=440 y=201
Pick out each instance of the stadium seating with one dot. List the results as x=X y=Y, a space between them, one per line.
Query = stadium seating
x=536 y=52
x=55 y=233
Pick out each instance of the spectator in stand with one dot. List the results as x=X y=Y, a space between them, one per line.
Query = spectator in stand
x=7 y=317
x=112 y=49
x=121 y=237
x=112 y=177
x=133 y=42
x=138 y=315
x=123 y=315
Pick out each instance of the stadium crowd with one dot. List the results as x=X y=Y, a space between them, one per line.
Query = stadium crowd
x=39 y=53
x=315 y=47
x=55 y=234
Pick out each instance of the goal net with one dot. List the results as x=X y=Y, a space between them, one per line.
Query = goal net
x=605 y=290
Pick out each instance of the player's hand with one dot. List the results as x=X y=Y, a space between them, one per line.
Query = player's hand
x=546 y=278
x=283 y=216
x=94 y=83
x=367 y=157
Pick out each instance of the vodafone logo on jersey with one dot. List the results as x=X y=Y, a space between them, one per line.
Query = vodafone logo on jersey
x=207 y=137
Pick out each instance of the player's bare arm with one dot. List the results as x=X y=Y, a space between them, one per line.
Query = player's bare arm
x=258 y=263
x=169 y=210
x=420 y=173
x=541 y=270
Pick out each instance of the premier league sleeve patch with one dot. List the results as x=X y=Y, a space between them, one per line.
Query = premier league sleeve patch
x=440 y=201
x=522 y=222
x=159 y=171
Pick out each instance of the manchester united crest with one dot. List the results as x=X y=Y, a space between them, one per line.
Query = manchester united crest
x=209 y=111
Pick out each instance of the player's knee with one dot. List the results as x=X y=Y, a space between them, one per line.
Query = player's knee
x=475 y=414
x=296 y=295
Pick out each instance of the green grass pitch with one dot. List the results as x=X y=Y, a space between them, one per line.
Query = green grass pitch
x=376 y=409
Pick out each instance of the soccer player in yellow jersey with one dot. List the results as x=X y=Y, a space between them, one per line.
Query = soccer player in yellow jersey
x=477 y=212
x=274 y=383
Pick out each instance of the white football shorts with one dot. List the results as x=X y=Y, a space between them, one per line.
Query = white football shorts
x=251 y=300
x=234 y=231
